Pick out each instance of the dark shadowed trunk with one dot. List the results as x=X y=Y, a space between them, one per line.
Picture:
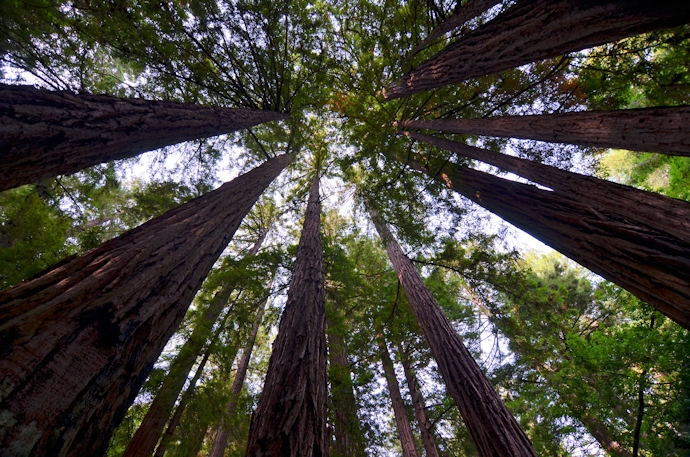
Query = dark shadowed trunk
x=493 y=429
x=145 y=439
x=425 y=426
x=44 y=134
x=534 y=30
x=466 y=12
x=401 y=419
x=638 y=240
x=662 y=129
x=79 y=340
x=290 y=419
x=222 y=434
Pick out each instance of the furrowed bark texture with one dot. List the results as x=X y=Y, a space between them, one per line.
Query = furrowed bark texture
x=467 y=12
x=493 y=429
x=636 y=239
x=220 y=442
x=79 y=341
x=348 y=434
x=401 y=419
x=535 y=30
x=290 y=419
x=418 y=404
x=44 y=134
x=663 y=130
x=144 y=441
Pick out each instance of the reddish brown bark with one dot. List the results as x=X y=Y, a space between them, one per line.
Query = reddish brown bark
x=149 y=432
x=535 y=30
x=418 y=404
x=401 y=419
x=662 y=129
x=220 y=442
x=290 y=419
x=44 y=134
x=638 y=240
x=493 y=429
x=79 y=340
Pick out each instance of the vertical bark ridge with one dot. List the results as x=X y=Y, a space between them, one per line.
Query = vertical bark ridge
x=659 y=129
x=79 y=341
x=44 y=134
x=493 y=429
x=534 y=30
x=290 y=419
x=418 y=404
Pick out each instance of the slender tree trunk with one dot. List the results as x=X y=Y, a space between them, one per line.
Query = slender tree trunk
x=418 y=403
x=636 y=239
x=223 y=431
x=535 y=30
x=401 y=419
x=79 y=340
x=348 y=434
x=44 y=134
x=149 y=432
x=465 y=13
x=290 y=419
x=663 y=129
x=493 y=429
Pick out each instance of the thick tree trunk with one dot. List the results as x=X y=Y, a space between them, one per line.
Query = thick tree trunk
x=467 y=12
x=401 y=419
x=149 y=432
x=79 y=340
x=44 y=134
x=290 y=419
x=535 y=30
x=663 y=129
x=222 y=436
x=638 y=240
x=418 y=404
x=348 y=434
x=493 y=429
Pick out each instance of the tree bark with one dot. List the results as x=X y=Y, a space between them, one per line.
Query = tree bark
x=44 y=134
x=662 y=129
x=401 y=419
x=638 y=240
x=79 y=340
x=467 y=12
x=144 y=441
x=535 y=30
x=418 y=404
x=493 y=429
x=290 y=419
x=220 y=442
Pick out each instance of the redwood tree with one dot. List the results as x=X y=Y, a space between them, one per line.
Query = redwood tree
x=538 y=29
x=659 y=129
x=493 y=429
x=44 y=133
x=79 y=340
x=290 y=419
x=636 y=239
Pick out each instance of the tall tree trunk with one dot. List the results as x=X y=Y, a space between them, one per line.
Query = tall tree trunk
x=290 y=419
x=401 y=419
x=538 y=29
x=223 y=430
x=79 y=340
x=44 y=134
x=348 y=434
x=493 y=429
x=465 y=13
x=661 y=129
x=418 y=404
x=149 y=432
x=638 y=240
